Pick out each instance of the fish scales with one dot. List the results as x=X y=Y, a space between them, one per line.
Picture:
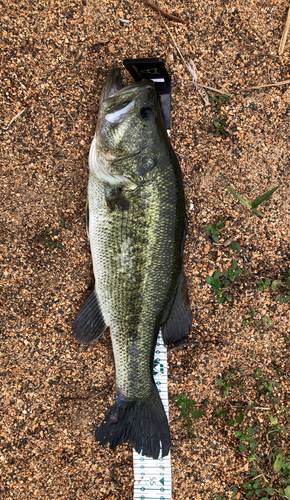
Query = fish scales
x=133 y=297
x=136 y=222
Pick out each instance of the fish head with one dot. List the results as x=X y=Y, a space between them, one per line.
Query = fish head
x=129 y=125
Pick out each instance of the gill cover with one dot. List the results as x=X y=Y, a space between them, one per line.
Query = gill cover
x=126 y=126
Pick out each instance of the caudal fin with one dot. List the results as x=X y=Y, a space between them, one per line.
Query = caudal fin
x=142 y=422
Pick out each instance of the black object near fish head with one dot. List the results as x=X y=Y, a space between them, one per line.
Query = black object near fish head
x=154 y=69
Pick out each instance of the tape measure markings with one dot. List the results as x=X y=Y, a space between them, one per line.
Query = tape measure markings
x=152 y=478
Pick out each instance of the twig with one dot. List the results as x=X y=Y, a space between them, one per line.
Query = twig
x=176 y=46
x=164 y=13
x=68 y=112
x=284 y=34
x=284 y=82
x=183 y=157
x=261 y=475
x=13 y=119
x=213 y=88
x=191 y=69
x=283 y=496
x=91 y=395
x=261 y=408
x=94 y=485
x=179 y=345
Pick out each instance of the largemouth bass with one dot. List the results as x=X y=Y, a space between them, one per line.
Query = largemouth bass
x=136 y=223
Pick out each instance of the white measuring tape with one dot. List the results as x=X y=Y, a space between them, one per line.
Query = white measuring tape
x=152 y=478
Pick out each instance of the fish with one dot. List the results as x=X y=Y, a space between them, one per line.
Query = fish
x=136 y=224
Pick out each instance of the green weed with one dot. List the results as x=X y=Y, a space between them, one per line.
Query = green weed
x=246 y=440
x=228 y=382
x=267 y=387
x=284 y=282
x=258 y=373
x=275 y=428
x=225 y=384
x=48 y=239
x=276 y=284
x=218 y=126
x=221 y=413
x=233 y=272
x=213 y=230
x=263 y=285
x=217 y=285
x=265 y=321
x=275 y=481
x=257 y=201
x=232 y=497
x=237 y=420
x=249 y=318
x=283 y=298
x=219 y=100
x=188 y=410
x=219 y=281
x=269 y=475
x=235 y=246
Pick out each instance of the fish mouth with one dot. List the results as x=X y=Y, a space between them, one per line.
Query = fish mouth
x=113 y=85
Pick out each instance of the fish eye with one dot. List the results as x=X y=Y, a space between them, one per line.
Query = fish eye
x=146 y=113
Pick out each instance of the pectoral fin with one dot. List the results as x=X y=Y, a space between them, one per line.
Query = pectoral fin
x=115 y=199
x=177 y=321
x=89 y=323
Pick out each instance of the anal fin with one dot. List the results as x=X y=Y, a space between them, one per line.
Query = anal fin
x=177 y=322
x=89 y=323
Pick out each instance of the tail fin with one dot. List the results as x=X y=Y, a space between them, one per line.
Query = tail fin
x=142 y=422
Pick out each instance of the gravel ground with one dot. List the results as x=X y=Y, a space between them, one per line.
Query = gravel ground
x=54 y=60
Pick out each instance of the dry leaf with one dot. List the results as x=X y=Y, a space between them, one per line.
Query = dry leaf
x=102 y=40
x=79 y=55
x=93 y=109
x=111 y=47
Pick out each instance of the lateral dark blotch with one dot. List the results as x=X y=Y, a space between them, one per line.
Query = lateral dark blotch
x=116 y=199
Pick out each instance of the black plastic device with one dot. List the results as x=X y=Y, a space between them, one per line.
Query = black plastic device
x=153 y=69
